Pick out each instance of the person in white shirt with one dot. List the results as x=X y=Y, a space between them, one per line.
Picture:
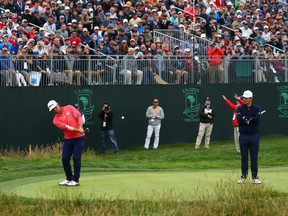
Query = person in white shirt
x=155 y=115
x=246 y=30
x=266 y=33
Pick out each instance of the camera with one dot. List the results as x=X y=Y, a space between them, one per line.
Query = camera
x=107 y=109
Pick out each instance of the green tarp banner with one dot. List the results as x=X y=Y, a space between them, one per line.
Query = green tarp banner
x=25 y=118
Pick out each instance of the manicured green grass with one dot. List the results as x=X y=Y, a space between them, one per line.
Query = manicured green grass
x=223 y=197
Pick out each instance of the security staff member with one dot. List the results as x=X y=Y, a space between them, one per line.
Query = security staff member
x=206 y=114
x=248 y=116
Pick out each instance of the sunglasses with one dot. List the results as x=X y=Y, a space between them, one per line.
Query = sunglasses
x=155 y=102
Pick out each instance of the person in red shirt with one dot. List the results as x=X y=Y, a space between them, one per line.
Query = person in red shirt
x=215 y=69
x=74 y=38
x=235 y=124
x=69 y=120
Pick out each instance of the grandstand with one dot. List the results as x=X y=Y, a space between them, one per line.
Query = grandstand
x=119 y=42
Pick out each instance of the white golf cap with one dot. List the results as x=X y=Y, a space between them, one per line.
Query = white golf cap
x=247 y=94
x=51 y=105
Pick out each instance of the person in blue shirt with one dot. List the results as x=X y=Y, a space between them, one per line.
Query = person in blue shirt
x=6 y=43
x=248 y=117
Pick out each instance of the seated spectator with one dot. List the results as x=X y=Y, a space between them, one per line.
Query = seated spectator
x=129 y=68
x=123 y=47
x=49 y=26
x=85 y=38
x=23 y=66
x=259 y=40
x=58 y=77
x=6 y=43
x=179 y=65
x=74 y=38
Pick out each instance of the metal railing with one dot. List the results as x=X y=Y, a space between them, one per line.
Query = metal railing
x=147 y=70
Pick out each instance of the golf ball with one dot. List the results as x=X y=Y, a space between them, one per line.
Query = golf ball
x=122 y=117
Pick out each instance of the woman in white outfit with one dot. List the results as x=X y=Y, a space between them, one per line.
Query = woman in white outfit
x=154 y=114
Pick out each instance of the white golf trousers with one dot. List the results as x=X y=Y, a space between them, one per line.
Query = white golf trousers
x=150 y=130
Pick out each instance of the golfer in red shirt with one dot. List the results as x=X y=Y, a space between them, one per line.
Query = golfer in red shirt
x=69 y=120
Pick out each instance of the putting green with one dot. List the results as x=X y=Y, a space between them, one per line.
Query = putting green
x=137 y=185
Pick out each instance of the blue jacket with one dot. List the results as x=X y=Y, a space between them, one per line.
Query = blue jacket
x=248 y=119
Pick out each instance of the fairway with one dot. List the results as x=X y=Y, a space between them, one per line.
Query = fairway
x=138 y=185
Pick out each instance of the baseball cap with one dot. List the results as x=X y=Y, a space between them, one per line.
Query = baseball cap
x=247 y=94
x=208 y=98
x=76 y=105
x=19 y=40
x=51 y=105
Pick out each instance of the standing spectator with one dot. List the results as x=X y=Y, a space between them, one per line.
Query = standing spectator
x=235 y=124
x=69 y=120
x=159 y=66
x=248 y=116
x=5 y=67
x=215 y=69
x=206 y=114
x=155 y=115
x=107 y=130
x=19 y=6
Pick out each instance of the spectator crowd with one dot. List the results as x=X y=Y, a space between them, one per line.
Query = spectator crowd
x=75 y=30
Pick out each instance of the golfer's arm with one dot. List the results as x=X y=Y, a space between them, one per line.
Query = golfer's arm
x=63 y=125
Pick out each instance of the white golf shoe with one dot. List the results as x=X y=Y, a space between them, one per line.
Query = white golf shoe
x=256 y=181
x=242 y=180
x=73 y=183
x=64 y=183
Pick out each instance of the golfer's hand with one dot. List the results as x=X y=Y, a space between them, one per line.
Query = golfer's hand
x=81 y=130
x=236 y=96
x=224 y=97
